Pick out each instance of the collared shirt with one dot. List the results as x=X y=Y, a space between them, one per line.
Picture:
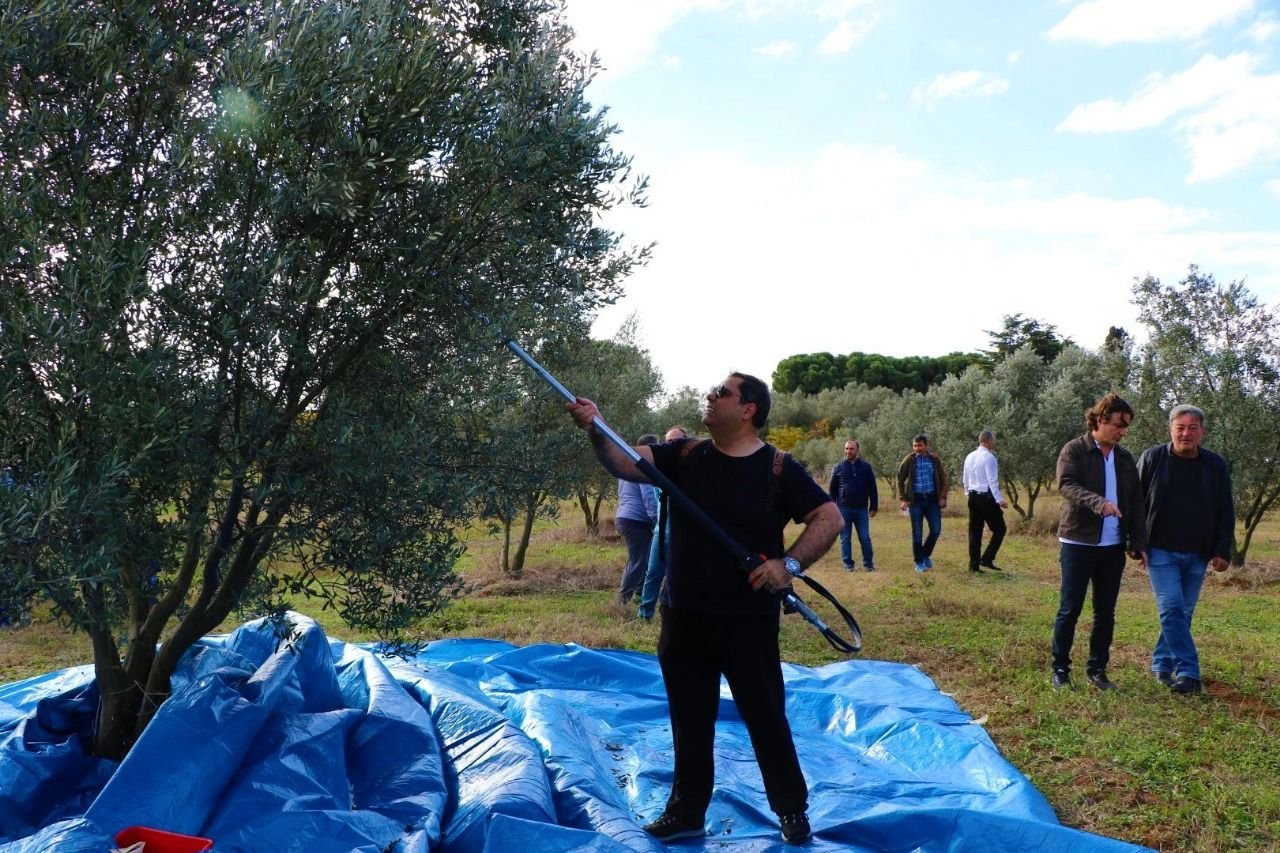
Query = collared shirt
x=924 y=475
x=982 y=473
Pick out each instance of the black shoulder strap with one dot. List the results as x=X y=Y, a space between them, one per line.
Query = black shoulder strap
x=689 y=446
x=775 y=481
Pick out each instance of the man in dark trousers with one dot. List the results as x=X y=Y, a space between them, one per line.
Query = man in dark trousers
x=716 y=620
x=1103 y=517
x=1191 y=524
x=853 y=488
x=986 y=503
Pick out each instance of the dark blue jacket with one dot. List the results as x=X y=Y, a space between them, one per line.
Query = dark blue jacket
x=853 y=484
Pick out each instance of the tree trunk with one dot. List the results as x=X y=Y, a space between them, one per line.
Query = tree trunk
x=117 y=699
x=1033 y=492
x=591 y=518
x=532 y=502
x=1012 y=495
x=506 y=545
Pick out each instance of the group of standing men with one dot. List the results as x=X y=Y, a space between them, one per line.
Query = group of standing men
x=1171 y=509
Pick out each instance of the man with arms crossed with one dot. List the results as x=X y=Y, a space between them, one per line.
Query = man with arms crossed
x=1191 y=523
x=1102 y=518
x=986 y=504
x=716 y=619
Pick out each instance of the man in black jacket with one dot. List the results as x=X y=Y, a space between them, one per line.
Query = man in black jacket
x=1191 y=525
x=853 y=488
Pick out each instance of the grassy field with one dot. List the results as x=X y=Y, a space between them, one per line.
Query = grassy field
x=1197 y=773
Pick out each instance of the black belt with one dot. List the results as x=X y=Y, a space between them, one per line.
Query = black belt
x=980 y=494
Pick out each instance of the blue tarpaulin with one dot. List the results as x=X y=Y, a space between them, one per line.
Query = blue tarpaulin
x=477 y=745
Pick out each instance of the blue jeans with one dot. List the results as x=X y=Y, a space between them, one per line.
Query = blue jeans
x=1176 y=579
x=858 y=519
x=924 y=507
x=637 y=536
x=655 y=574
x=1083 y=565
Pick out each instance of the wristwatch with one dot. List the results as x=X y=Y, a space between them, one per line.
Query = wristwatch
x=793 y=566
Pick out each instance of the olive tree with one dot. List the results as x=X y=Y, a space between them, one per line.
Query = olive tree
x=1214 y=346
x=244 y=246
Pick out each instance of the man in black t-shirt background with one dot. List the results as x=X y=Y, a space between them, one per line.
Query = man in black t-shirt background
x=716 y=620
x=1190 y=526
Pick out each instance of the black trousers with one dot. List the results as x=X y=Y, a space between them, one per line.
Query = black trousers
x=694 y=649
x=983 y=510
x=1084 y=566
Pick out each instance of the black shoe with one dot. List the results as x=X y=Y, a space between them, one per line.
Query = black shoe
x=1164 y=678
x=976 y=570
x=795 y=828
x=848 y=567
x=987 y=564
x=871 y=568
x=1061 y=679
x=668 y=828
x=1187 y=684
x=1099 y=680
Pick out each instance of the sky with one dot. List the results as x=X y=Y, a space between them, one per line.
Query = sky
x=897 y=176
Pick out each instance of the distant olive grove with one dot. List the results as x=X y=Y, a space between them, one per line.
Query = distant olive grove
x=1208 y=344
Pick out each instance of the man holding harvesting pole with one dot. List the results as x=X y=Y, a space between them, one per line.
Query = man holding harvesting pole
x=716 y=620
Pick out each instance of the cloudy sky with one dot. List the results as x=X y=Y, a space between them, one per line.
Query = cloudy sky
x=894 y=177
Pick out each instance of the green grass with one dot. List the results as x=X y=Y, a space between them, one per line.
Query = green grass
x=1175 y=773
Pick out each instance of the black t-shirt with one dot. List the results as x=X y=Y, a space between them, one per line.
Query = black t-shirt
x=702 y=575
x=1185 y=521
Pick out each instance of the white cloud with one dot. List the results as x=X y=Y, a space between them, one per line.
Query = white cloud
x=1014 y=56
x=972 y=84
x=1263 y=28
x=776 y=49
x=1108 y=22
x=873 y=231
x=1227 y=116
x=846 y=34
x=833 y=9
x=1274 y=187
x=625 y=35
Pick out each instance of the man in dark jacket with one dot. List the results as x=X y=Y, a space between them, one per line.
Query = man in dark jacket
x=853 y=488
x=1191 y=523
x=1103 y=516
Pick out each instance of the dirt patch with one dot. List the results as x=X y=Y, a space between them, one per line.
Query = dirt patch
x=489 y=580
x=1255 y=574
x=1242 y=703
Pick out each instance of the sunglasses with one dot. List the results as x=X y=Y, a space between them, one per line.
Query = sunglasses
x=722 y=391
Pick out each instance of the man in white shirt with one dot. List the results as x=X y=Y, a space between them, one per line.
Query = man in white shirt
x=986 y=503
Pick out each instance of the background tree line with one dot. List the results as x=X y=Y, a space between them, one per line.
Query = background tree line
x=1208 y=344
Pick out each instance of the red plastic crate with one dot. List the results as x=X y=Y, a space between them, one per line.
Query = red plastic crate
x=159 y=841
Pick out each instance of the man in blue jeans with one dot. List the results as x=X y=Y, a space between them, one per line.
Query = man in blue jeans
x=853 y=488
x=657 y=569
x=922 y=491
x=1191 y=525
